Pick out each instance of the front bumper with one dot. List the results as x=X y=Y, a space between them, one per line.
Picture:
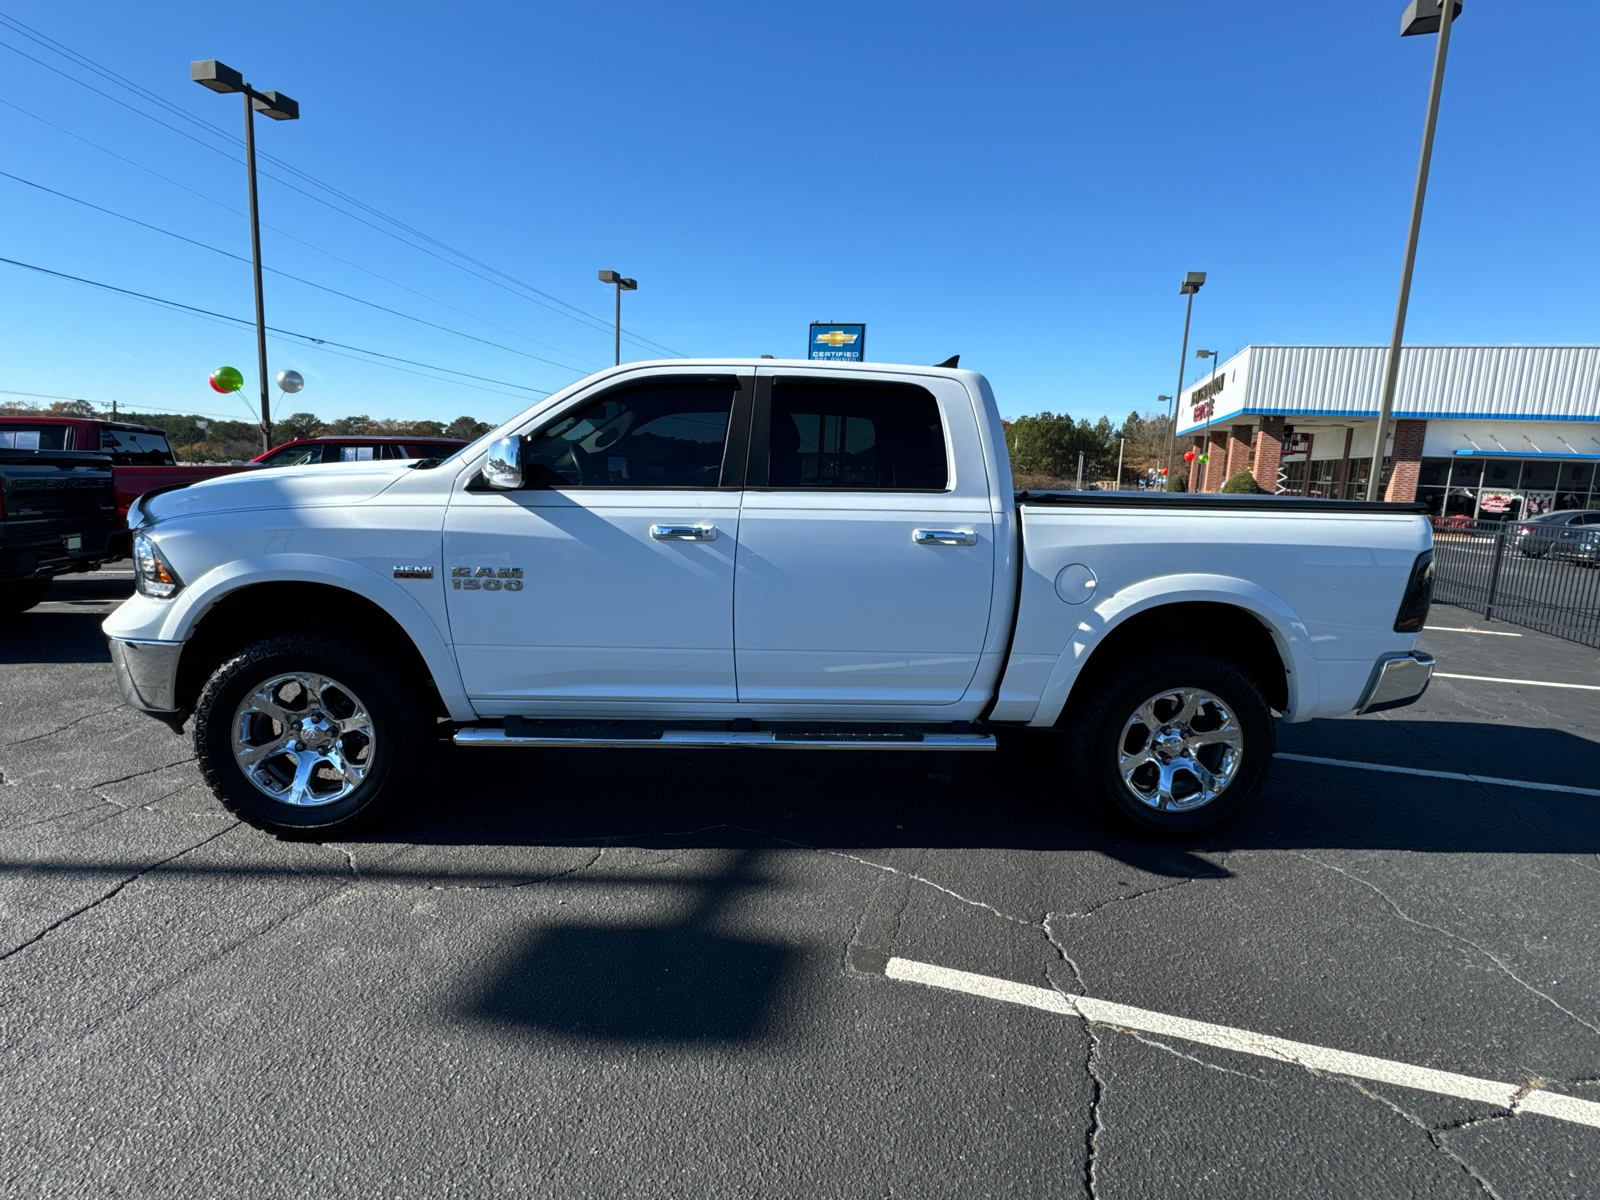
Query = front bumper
x=1397 y=680
x=147 y=673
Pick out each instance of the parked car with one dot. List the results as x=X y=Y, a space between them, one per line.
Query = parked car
x=1581 y=545
x=141 y=457
x=305 y=451
x=757 y=555
x=1537 y=536
x=58 y=513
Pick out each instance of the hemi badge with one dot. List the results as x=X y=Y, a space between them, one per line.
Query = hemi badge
x=413 y=572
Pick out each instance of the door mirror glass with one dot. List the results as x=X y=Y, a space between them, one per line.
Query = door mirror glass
x=503 y=468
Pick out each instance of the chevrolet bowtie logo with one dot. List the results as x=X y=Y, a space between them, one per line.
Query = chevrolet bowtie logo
x=835 y=338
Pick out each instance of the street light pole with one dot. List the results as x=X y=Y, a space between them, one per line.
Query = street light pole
x=1418 y=18
x=255 y=262
x=219 y=77
x=1192 y=283
x=1211 y=404
x=623 y=285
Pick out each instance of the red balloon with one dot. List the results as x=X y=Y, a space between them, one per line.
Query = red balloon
x=1188 y=456
x=1163 y=470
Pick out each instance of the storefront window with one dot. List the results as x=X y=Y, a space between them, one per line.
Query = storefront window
x=1539 y=476
x=1501 y=473
x=1435 y=472
x=1466 y=472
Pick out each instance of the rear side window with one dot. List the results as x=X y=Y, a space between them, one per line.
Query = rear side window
x=856 y=437
x=41 y=437
x=357 y=453
x=294 y=456
x=662 y=434
x=130 y=448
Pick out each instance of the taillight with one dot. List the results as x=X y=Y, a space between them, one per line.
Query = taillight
x=1413 y=612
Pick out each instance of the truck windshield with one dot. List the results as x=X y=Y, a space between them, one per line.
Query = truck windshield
x=134 y=448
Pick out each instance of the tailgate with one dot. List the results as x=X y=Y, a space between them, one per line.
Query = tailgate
x=48 y=496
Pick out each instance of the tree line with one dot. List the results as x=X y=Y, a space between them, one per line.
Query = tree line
x=201 y=439
x=1044 y=448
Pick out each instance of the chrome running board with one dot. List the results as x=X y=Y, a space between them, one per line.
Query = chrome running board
x=701 y=739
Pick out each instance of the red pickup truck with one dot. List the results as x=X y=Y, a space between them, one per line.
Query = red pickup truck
x=141 y=457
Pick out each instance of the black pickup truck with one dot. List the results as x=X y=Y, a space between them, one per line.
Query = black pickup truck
x=58 y=513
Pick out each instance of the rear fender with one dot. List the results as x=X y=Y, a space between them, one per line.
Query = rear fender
x=1288 y=632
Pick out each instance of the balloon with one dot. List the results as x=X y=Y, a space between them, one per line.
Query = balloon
x=1205 y=458
x=226 y=379
x=291 y=381
x=1188 y=456
x=1163 y=470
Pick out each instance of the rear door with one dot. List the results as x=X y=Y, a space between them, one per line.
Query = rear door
x=866 y=542
x=609 y=578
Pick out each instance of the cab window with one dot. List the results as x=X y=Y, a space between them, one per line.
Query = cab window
x=855 y=437
x=134 y=448
x=665 y=433
x=294 y=456
x=37 y=437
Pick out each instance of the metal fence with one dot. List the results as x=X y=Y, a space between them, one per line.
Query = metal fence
x=1548 y=583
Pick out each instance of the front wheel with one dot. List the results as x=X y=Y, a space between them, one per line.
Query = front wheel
x=300 y=733
x=1174 y=746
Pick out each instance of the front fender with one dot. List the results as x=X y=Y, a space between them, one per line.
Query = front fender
x=175 y=620
x=1288 y=632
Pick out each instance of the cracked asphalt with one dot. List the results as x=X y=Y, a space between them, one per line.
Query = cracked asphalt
x=632 y=974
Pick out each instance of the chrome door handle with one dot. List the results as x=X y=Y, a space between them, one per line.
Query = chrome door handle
x=684 y=533
x=944 y=537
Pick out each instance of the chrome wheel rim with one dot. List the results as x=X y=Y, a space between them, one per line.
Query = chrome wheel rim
x=303 y=739
x=1180 y=750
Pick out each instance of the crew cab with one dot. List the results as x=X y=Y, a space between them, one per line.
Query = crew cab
x=58 y=514
x=756 y=555
x=141 y=457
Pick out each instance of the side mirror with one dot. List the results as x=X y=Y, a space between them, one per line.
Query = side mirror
x=503 y=468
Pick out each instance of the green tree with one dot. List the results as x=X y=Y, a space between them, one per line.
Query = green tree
x=468 y=429
x=297 y=425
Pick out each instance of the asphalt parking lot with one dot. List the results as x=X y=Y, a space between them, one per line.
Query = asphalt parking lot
x=633 y=974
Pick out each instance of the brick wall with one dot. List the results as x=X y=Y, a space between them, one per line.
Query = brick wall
x=1407 y=457
x=1217 y=468
x=1238 y=450
x=1269 y=452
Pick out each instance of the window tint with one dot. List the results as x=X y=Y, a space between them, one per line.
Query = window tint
x=856 y=436
x=294 y=456
x=662 y=434
x=357 y=453
x=39 y=437
x=129 y=448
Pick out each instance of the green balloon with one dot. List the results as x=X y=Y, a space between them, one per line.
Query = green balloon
x=226 y=379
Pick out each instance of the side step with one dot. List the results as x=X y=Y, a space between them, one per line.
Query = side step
x=692 y=739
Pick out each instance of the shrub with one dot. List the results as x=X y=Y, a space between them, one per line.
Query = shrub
x=1177 y=483
x=1243 y=481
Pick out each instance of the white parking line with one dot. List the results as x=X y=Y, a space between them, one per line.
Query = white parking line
x=1526 y=1098
x=1460 y=629
x=1583 y=687
x=1387 y=769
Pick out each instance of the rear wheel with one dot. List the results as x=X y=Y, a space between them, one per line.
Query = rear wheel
x=302 y=733
x=1174 y=746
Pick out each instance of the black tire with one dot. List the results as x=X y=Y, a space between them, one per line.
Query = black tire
x=20 y=597
x=366 y=688
x=1100 y=729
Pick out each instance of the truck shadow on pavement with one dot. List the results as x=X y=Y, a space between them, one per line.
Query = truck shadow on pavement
x=53 y=637
x=672 y=980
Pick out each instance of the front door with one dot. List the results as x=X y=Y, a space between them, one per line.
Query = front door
x=866 y=547
x=609 y=577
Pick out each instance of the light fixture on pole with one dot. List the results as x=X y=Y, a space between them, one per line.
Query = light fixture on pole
x=1192 y=283
x=218 y=77
x=1421 y=16
x=623 y=285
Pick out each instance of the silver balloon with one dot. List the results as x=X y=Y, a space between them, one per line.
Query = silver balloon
x=291 y=381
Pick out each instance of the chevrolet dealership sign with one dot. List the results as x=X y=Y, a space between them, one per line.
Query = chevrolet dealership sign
x=838 y=343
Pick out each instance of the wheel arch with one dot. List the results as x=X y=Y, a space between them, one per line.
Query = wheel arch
x=1239 y=621
x=230 y=613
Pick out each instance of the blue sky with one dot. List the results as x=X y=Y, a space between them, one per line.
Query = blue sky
x=1021 y=184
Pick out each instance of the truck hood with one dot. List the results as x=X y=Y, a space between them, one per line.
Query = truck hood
x=320 y=485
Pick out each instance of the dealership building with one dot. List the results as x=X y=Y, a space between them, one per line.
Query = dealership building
x=1494 y=432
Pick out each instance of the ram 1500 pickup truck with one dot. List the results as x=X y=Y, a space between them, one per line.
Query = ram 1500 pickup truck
x=756 y=555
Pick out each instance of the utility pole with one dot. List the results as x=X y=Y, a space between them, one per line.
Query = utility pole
x=1421 y=16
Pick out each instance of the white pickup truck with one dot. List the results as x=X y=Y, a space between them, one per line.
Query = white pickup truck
x=756 y=555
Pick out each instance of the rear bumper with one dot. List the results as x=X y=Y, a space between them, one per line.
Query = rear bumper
x=147 y=673
x=40 y=558
x=1397 y=680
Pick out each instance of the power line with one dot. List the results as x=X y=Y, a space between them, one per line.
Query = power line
x=286 y=275
x=285 y=233
x=240 y=321
x=566 y=309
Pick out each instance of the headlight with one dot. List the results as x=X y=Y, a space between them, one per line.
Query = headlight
x=152 y=574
